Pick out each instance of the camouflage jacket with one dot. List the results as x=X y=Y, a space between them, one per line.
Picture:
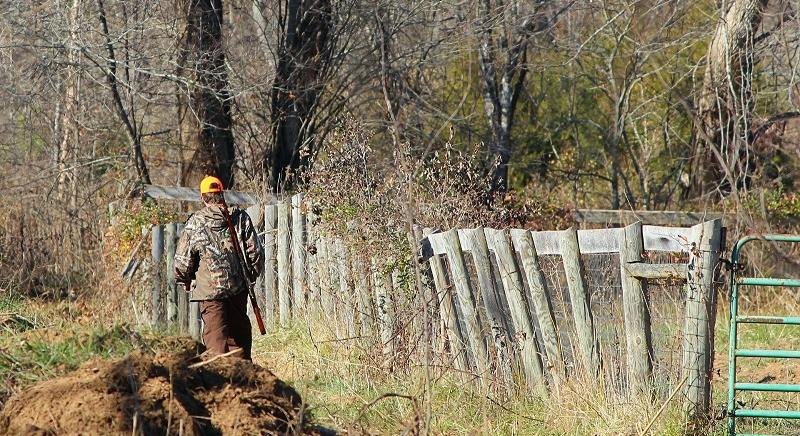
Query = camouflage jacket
x=205 y=254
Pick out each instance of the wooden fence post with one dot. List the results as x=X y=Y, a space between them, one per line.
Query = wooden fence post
x=428 y=299
x=399 y=303
x=366 y=317
x=635 y=302
x=698 y=334
x=256 y=214
x=332 y=265
x=284 y=264
x=520 y=316
x=171 y=238
x=324 y=276
x=383 y=305
x=183 y=296
x=270 y=264
x=540 y=299
x=157 y=253
x=466 y=299
x=312 y=263
x=580 y=302
x=490 y=302
x=447 y=310
x=346 y=308
x=298 y=253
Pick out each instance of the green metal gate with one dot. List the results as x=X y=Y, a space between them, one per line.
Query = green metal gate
x=734 y=352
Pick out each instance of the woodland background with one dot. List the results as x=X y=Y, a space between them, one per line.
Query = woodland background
x=492 y=111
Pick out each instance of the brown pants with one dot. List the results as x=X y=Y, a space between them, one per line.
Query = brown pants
x=226 y=325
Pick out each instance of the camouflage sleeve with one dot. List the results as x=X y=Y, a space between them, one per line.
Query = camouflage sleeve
x=187 y=258
x=248 y=235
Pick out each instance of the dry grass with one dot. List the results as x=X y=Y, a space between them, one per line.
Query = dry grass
x=40 y=339
x=340 y=388
x=760 y=301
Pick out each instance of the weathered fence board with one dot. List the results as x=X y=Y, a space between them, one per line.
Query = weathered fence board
x=635 y=298
x=476 y=243
x=580 y=302
x=298 y=254
x=447 y=308
x=490 y=302
x=466 y=299
x=183 y=296
x=657 y=271
x=520 y=316
x=170 y=239
x=270 y=264
x=346 y=294
x=179 y=193
x=361 y=278
x=540 y=300
x=383 y=307
x=399 y=301
x=656 y=238
x=324 y=277
x=157 y=253
x=698 y=334
x=334 y=287
x=428 y=301
x=284 y=264
x=312 y=267
x=662 y=218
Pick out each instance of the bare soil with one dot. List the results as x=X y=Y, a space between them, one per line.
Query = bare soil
x=158 y=394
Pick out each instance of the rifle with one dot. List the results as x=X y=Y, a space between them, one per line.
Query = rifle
x=241 y=257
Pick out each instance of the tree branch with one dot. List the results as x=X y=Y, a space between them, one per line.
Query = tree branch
x=760 y=130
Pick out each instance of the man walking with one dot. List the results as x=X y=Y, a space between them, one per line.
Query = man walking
x=206 y=254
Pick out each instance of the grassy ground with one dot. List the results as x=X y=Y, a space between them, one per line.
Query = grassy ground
x=759 y=336
x=342 y=392
x=40 y=340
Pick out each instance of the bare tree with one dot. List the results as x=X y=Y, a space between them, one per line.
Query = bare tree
x=504 y=31
x=132 y=129
x=724 y=103
x=205 y=102
x=303 y=63
x=631 y=63
x=68 y=146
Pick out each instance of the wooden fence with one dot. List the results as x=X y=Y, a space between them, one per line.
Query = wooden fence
x=485 y=306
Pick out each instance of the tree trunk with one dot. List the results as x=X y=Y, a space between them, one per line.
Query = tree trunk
x=66 y=156
x=303 y=56
x=500 y=94
x=205 y=115
x=724 y=102
x=124 y=114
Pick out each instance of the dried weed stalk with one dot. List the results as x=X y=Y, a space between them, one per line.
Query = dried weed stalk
x=360 y=195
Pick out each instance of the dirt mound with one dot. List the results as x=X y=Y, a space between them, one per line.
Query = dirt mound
x=158 y=394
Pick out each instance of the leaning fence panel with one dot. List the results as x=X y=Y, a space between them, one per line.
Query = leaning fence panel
x=617 y=291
